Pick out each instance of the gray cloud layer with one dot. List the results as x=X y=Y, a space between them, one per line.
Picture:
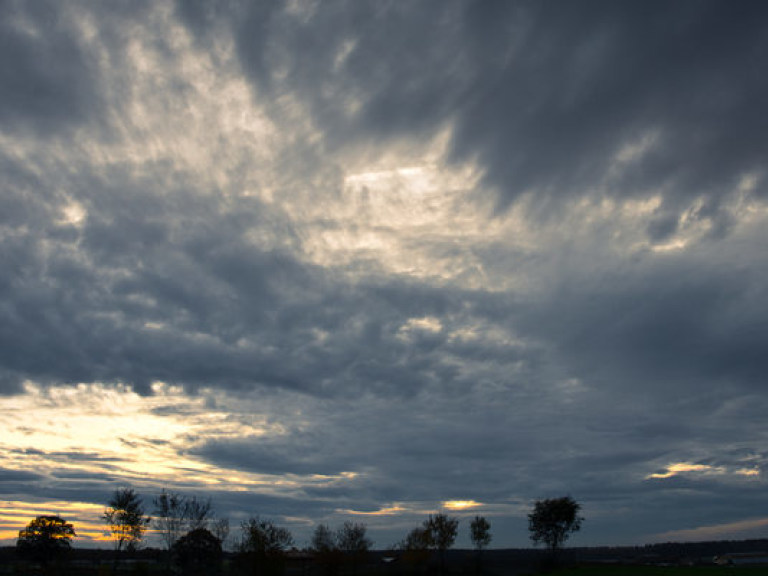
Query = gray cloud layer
x=618 y=330
x=544 y=94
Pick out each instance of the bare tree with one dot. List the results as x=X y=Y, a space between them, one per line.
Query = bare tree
x=264 y=537
x=197 y=513
x=169 y=516
x=220 y=529
x=352 y=538
x=176 y=515
x=263 y=546
x=326 y=553
x=323 y=539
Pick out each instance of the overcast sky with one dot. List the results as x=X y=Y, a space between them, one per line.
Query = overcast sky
x=369 y=260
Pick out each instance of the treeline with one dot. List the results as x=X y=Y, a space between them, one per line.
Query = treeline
x=193 y=537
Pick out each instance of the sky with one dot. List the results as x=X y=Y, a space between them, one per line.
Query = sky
x=369 y=260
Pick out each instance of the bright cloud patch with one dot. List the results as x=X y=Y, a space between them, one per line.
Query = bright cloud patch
x=108 y=431
x=685 y=467
x=461 y=504
x=751 y=472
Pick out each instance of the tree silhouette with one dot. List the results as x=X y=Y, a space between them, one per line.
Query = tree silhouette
x=176 y=514
x=263 y=546
x=264 y=536
x=168 y=516
x=553 y=521
x=45 y=538
x=417 y=539
x=441 y=533
x=220 y=529
x=197 y=513
x=326 y=552
x=323 y=539
x=480 y=532
x=352 y=540
x=125 y=517
x=415 y=547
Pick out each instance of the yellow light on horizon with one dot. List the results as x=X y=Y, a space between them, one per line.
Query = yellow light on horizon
x=461 y=504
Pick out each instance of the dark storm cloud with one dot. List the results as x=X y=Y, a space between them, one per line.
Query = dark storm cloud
x=656 y=324
x=544 y=95
x=228 y=318
x=18 y=476
x=150 y=289
x=296 y=455
x=46 y=80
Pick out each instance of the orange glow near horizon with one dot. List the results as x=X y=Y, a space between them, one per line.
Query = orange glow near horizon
x=145 y=441
x=136 y=439
x=15 y=515
x=86 y=518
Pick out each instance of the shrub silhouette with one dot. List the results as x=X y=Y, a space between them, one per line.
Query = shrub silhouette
x=198 y=552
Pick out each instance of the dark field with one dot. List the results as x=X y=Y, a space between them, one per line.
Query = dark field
x=671 y=559
x=663 y=571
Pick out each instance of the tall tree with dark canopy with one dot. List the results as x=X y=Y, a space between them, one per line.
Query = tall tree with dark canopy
x=480 y=534
x=441 y=533
x=46 y=538
x=553 y=521
x=126 y=520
